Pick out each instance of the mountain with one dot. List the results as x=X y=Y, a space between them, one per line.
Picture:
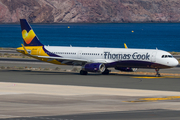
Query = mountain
x=89 y=11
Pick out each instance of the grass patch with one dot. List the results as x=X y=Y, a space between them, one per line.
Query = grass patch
x=2 y=67
x=175 y=53
x=57 y=69
x=75 y=69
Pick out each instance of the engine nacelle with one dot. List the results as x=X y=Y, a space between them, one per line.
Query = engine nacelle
x=126 y=69
x=94 y=67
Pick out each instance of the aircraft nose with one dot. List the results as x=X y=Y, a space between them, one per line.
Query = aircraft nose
x=174 y=63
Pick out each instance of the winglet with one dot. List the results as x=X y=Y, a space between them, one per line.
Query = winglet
x=26 y=52
x=125 y=46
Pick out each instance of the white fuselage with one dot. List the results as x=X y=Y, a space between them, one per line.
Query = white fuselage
x=140 y=58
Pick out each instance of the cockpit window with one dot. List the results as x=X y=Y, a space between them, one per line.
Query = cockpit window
x=167 y=56
x=170 y=56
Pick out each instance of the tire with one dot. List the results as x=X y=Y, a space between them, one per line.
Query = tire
x=158 y=75
x=106 y=72
x=82 y=72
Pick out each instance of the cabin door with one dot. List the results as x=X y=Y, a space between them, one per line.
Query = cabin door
x=79 y=54
x=153 y=57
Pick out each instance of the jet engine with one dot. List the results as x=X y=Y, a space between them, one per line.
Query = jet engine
x=94 y=67
x=126 y=69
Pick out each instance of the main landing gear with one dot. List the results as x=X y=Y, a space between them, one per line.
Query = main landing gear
x=83 y=72
x=106 y=72
x=157 y=72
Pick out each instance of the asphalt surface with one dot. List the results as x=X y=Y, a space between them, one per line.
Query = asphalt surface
x=126 y=115
x=9 y=51
x=19 y=60
x=91 y=80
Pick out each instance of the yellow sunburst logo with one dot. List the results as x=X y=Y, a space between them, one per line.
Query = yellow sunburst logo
x=28 y=36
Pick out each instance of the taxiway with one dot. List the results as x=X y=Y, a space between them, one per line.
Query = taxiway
x=38 y=95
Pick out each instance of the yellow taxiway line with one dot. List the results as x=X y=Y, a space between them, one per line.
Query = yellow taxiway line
x=164 y=75
x=154 y=99
x=146 y=77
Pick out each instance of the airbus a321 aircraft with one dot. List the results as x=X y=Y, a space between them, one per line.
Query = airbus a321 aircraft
x=94 y=59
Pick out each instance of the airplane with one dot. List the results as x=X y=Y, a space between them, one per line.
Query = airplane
x=94 y=59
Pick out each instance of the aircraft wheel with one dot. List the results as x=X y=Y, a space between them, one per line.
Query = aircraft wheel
x=157 y=72
x=106 y=72
x=158 y=75
x=82 y=72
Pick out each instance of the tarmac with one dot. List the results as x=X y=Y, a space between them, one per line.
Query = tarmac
x=66 y=95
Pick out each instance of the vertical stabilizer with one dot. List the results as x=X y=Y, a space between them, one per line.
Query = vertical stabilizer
x=28 y=35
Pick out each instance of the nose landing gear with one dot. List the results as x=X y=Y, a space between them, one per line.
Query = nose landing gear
x=157 y=72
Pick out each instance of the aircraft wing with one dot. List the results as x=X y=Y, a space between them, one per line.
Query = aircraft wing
x=73 y=60
x=64 y=59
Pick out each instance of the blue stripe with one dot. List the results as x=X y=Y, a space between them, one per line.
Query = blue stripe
x=50 y=53
x=136 y=64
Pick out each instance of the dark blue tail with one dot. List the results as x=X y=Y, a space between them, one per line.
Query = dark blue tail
x=28 y=35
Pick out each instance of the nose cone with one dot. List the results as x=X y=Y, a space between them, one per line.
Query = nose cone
x=174 y=63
